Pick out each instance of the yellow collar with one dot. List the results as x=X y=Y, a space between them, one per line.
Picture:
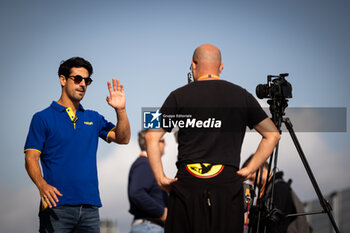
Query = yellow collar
x=211 y=76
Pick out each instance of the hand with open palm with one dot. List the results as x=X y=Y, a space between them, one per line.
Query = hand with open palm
x=116 y=97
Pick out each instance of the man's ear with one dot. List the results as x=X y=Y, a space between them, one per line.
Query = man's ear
x=221 y=67
x=194 y=70
x=63 y=80
x=194 y=65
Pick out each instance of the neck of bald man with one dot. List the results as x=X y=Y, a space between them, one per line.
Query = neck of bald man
x=203 y=72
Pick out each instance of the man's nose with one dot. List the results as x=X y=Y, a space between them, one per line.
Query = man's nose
x=83 y=83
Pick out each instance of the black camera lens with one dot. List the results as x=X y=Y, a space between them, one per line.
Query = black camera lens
x=262 y=91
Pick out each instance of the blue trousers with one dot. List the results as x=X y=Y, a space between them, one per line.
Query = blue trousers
x=145 y=227
x=70 y=219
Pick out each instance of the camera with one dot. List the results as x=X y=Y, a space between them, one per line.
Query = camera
x=277 y=87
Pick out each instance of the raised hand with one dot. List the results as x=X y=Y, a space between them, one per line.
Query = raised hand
x=116 y=97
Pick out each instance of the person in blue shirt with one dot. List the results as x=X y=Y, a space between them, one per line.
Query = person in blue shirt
x=64 y=138
x=148 y=203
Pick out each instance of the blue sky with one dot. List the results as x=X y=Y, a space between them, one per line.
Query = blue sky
x=148 y=45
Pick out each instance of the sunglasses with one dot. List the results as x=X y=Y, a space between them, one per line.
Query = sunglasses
x=77 y=79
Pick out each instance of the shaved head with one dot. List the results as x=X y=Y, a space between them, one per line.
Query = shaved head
x=207 y=54
x=207 y=59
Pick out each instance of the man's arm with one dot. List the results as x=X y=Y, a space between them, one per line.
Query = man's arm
x=116 y=99
x=154 y=159
x=270 y=138
x=48 y=193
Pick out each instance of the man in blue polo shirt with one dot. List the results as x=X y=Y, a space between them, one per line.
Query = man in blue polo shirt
x=64 y=137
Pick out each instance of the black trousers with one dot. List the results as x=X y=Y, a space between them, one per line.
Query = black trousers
x=211 y=205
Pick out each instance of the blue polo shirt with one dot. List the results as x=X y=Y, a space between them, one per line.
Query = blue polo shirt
x=68 y=145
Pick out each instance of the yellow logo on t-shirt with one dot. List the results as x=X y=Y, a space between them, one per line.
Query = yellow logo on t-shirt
x=204 y=170
x=88 y=123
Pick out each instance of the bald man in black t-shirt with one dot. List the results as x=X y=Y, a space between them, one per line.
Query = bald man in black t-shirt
x=212 y=116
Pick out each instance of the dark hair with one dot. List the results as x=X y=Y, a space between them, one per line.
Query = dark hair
x=142 y=140
x=67 y=65
x=265 y=164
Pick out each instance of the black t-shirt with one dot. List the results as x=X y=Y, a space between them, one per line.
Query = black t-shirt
x=224 y=111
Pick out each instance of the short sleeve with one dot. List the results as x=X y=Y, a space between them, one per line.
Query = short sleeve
x=255 y=114
x=169 y=108
x=105 y=128
x=37 y=134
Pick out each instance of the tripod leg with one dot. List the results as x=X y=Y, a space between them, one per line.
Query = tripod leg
x=270 y=202
x=323 y=202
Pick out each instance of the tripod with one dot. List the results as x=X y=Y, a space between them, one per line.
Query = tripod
x=277 y=109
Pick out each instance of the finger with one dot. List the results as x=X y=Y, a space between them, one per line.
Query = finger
x=118 y=85
x=46 y=200
x=242 y=174
x=51 y=199
x=45 y=203
x=115 y=87
x=167 y=187
x=109 y=86
x=58 y=192
x=242 y=171
x=53 y=195
x=122 y=88
x=173 y=180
